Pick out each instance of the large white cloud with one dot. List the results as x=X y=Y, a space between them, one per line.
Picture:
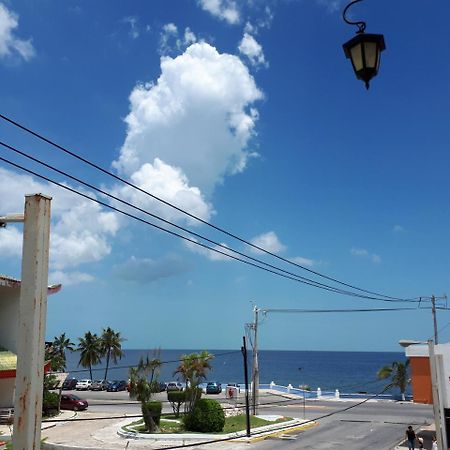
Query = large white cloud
x=198 y=116
x=81 y=229
x=226 y=10
x=169 y=183
x=268 y=241
x=10 y=45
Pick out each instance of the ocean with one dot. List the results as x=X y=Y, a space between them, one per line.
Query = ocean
x=350 y=372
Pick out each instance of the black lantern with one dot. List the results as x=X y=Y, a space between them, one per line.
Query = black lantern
x=364 y=50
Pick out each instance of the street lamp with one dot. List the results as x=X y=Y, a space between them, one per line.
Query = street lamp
x=364 y=50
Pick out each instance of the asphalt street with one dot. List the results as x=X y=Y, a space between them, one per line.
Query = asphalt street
x=378 y=425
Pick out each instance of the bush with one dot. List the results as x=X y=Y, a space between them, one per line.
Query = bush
x=50 y=403
x=206 y=417
x=151 y=412
x=176 y=398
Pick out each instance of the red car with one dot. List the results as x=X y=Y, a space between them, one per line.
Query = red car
x=70 y=401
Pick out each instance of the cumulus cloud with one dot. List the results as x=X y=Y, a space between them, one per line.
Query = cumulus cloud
x=363 y=253
x=80 y=231
x=146 y=270
x=226 y=10
x=10 y=44
x=198 y=116
x=268 y=241
x=304 y=261
x=250 y=48
x=170 y=184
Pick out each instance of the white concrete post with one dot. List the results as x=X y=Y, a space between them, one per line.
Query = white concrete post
x=272 y=384
x=319 y=392
x=289 y=387
x=32 y=319
x=337 y=394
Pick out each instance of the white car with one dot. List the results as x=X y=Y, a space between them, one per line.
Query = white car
x=83 y=385
x=174 y=386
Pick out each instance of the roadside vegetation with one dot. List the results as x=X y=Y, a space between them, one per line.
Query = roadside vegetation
x=398 y=374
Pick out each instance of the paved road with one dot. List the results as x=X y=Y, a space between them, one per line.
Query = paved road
x=374 y=425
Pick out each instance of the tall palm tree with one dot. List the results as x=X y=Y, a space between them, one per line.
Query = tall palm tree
x=111 y=343
x=398 y=373
x=90 y=350
x=60 y=345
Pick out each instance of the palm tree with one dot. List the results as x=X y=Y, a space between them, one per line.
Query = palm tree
x=193 y=369
x=60 y=345
x=111 y=347
x=91 y=350
x=398 y=373
x=142 y=389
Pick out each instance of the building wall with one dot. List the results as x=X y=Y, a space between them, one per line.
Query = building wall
x=9 y=317
x=7 y=392
x=421 y=380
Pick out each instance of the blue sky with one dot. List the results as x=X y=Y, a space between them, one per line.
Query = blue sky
x=248 y=115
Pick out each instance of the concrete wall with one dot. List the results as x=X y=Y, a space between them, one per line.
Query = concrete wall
x=9 y=317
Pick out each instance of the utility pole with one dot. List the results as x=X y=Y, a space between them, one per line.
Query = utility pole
x=32 y=320
x=255 y=371
x=247 y=404
x=433 y=311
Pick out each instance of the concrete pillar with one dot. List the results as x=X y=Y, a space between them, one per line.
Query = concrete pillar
x=32 y=321
x=319 y=392
x=337 y=394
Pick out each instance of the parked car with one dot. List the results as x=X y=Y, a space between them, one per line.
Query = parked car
x=117 y=385
x=174 y=386
x=70 y=401
x=213 y=388
x=83 y=385
x=69 y=384
x=99 y=385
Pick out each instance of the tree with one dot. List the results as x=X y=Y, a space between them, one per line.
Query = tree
x=142 y=388
x=193 y=369
x=90 y=351
x=111 y=343
x=60 y=345
x=398 y=373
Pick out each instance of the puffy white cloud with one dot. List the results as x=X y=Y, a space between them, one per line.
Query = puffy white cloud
x=80 y=228
x=10 y=45
x=268 y=241
x=69 y=278
x=170 y=184
x=10 y=242
x=146 y=270
x=226 y=10
x=252 y=50
x=198 y=116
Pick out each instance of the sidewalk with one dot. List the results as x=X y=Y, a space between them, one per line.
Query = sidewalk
x=426 y=433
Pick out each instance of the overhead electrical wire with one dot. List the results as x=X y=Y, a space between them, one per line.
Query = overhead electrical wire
x=277 y=270
x=205 y=222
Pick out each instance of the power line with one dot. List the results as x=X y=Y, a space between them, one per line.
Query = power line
x=277 y=271
x=307 y=311
x=225 y=247
x=222 y=230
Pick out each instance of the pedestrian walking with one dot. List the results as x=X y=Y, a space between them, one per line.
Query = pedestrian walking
x=434 y=444
x=411 y=438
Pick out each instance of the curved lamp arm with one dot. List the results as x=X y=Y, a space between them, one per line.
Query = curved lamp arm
x=360 y=24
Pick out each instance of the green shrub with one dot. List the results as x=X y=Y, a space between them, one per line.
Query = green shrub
x=50 y=403
x=206 y=417
x=176 y=398
x=151 y=412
